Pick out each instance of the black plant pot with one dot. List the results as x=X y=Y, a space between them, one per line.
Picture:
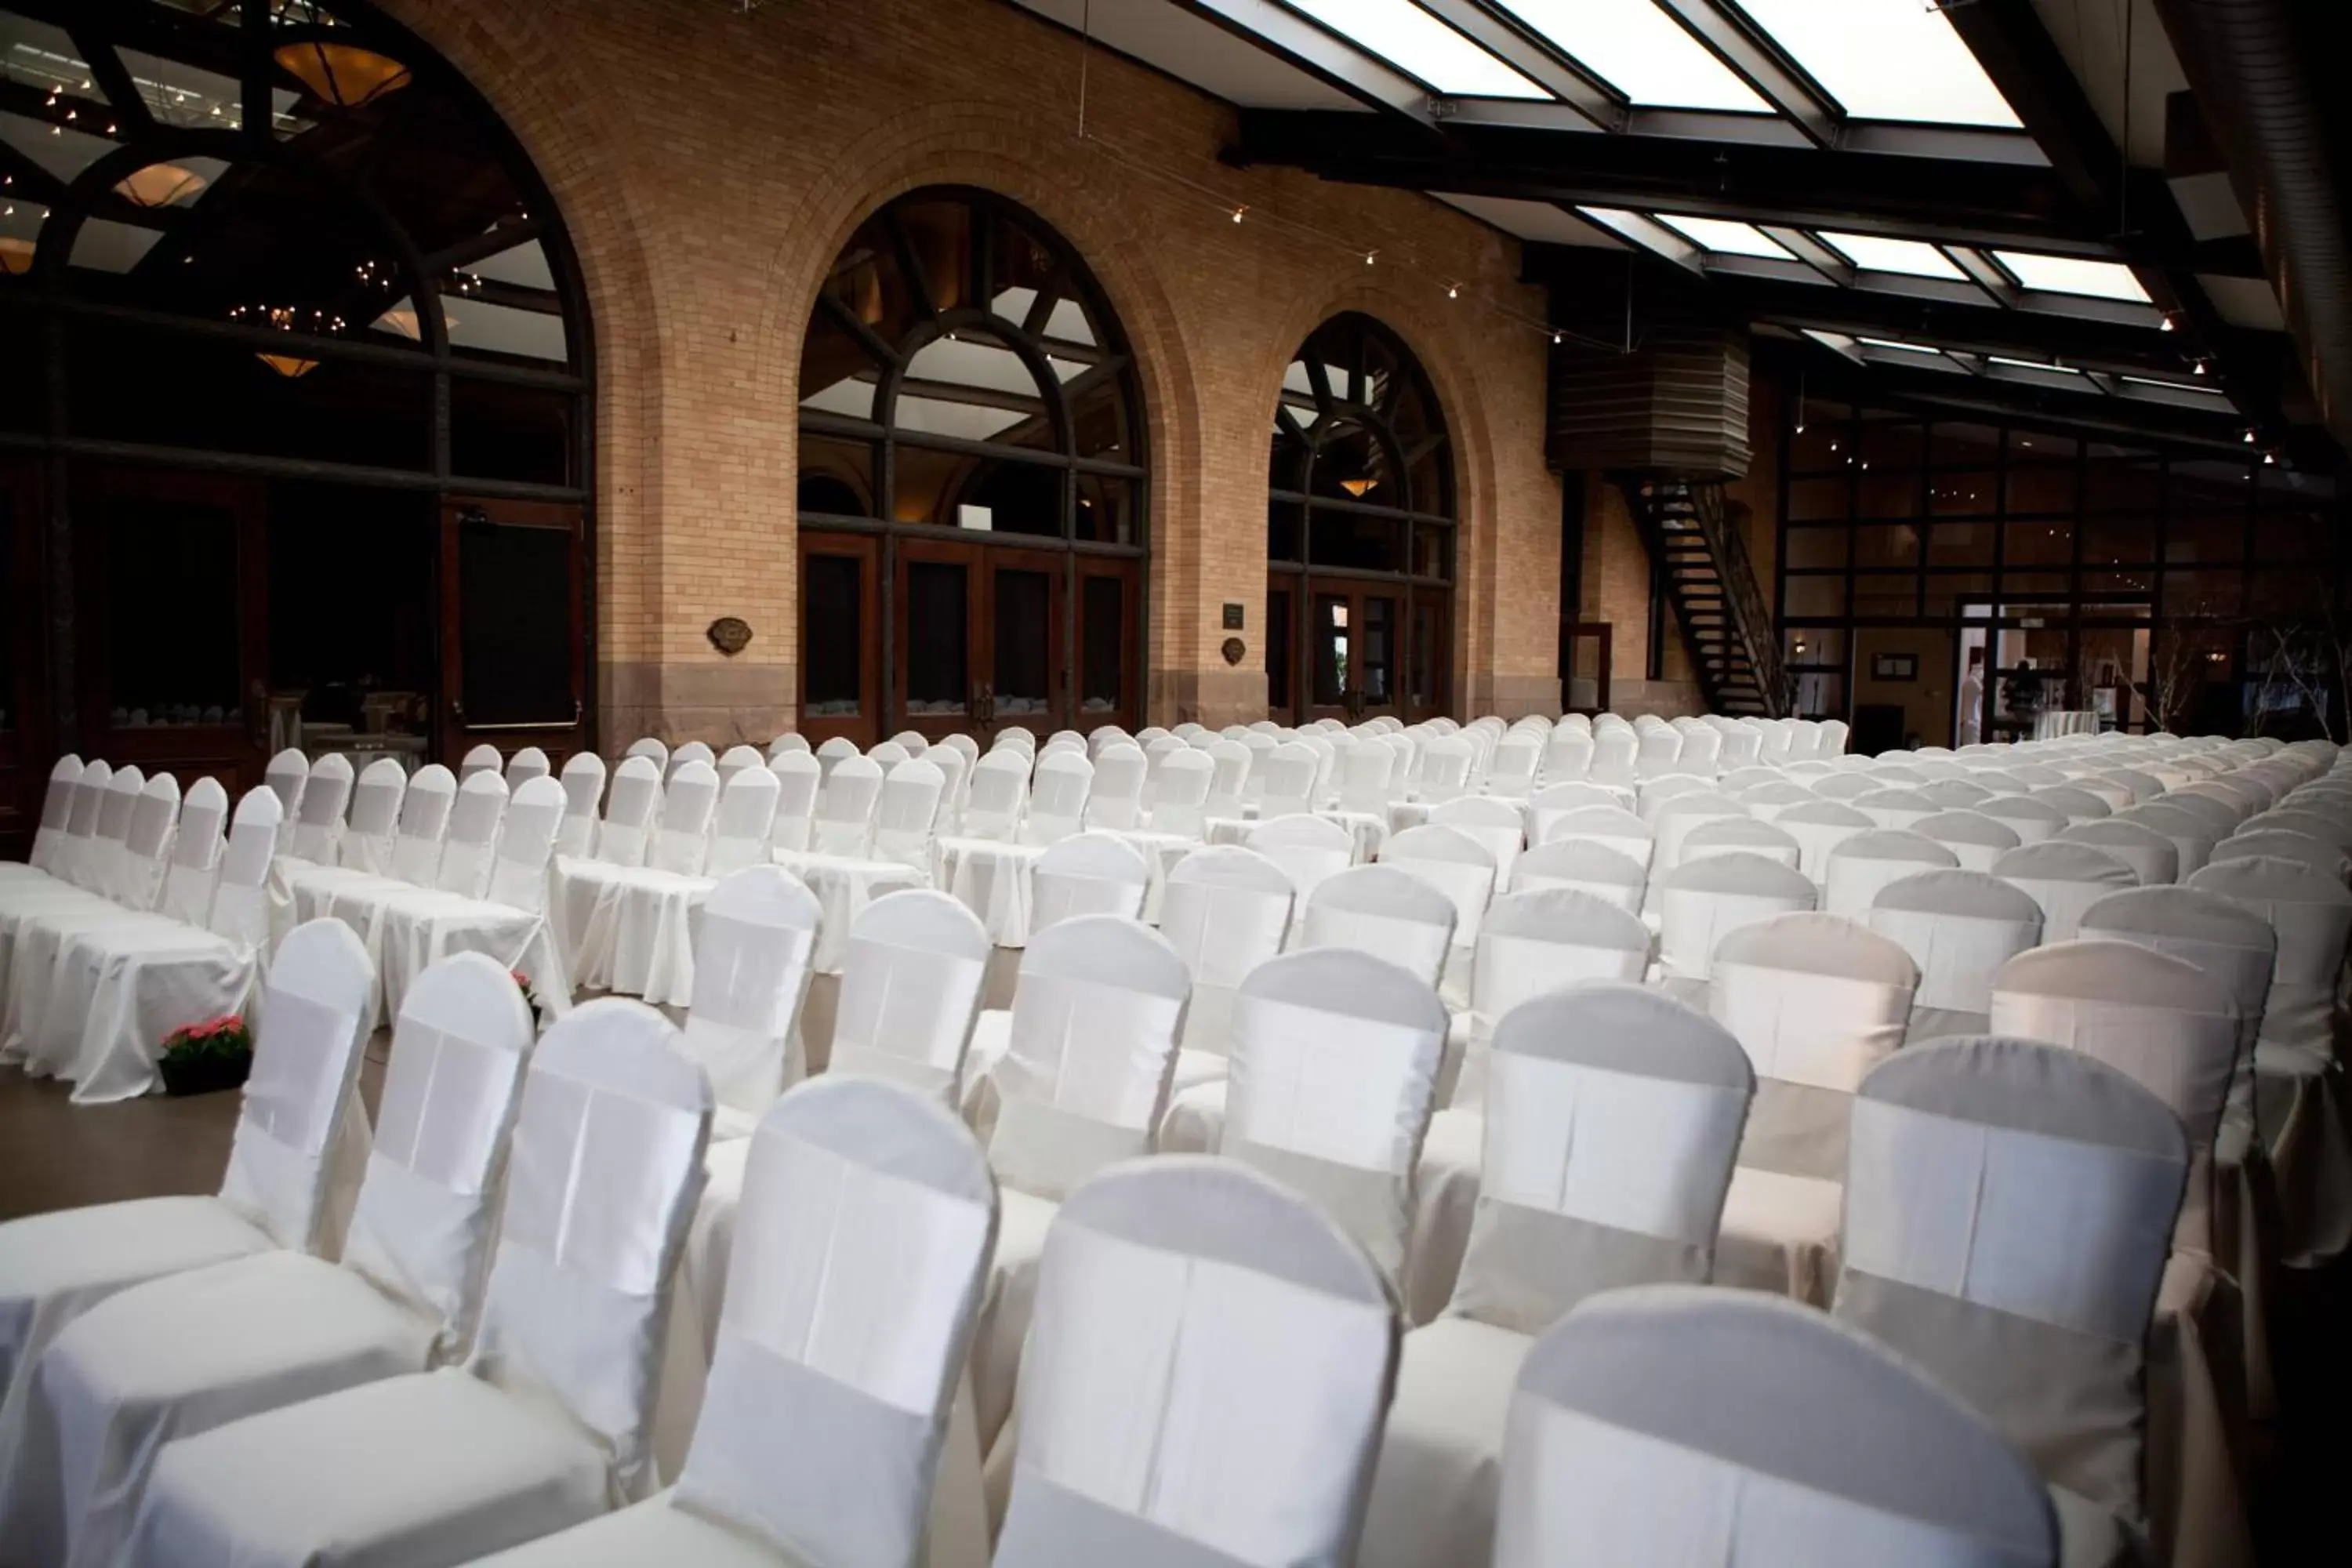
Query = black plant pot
x=203 y=1075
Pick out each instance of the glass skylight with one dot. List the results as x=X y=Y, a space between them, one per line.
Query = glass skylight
x=1898 y=346
x=1641 y=51
x=1886 y=60
x=1419 y=44
x=1727 y=237
x=2071 y=275
x=1876 y=253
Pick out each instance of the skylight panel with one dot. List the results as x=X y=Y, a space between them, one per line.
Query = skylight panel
x=2042 y=365
x=1886 y=60
x=1421 y=45
x=1641 y=51
x=2072 y=275
x=1726 y=237
x=1898 y=346
x=1876 y=253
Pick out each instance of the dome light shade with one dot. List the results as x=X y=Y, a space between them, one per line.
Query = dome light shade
x=341 y=74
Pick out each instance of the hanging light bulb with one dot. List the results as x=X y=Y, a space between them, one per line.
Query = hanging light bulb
x=1238 y=210
x=1368 y=255
x=2165 y=325
x=1453 y=290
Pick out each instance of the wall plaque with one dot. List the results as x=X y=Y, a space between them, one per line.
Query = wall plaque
x=1233 y=617
x=730 y=634
x=1232 y=650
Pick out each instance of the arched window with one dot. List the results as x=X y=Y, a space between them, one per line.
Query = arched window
x=1359 y=534
x=972 y=481
x=301 y=353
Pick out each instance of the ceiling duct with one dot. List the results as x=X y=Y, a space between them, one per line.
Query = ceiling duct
x=1646 y=377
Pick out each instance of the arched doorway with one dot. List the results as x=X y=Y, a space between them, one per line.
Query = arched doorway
x=972 y=496
x=297 y=447
x=1359 y=534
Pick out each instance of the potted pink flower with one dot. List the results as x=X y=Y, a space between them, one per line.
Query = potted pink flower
x=214 y=1054
x=530 y=998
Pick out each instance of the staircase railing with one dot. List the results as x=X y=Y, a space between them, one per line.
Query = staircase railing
x=1751 y=618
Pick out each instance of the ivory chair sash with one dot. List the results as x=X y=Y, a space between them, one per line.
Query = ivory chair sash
x=319 y=822
x=2153 y=860
x=1702 y=903
x=374 y=828
x=2065 y=880
x=1684 y=1428
x=1959 y=928
x=56 y=1266
x=2035 y=1312
x=866 y=1219
x=282 y=1326
x=546 y=1425
x=1227 y=911
x=754 y=942
x=1612 y=1118
x=1818 y=826
x=910 y=991
x=1815 y=1001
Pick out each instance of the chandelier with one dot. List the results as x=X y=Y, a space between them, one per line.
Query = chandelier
x=288 y=319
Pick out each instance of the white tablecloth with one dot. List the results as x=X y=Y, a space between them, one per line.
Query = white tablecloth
x=844 y=887
x=2065 y=722
x=992 y=878
x=1368 y=832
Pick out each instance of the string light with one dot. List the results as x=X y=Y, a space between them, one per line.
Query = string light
x=1368 y=255
x=1238 y=210
x=2250 y=437
x=2165 y=325
x=1453 y=290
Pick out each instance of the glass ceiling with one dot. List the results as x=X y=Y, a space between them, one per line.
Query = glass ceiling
x=2071 y=275
x=1876 y=253
x=1886 y=60
x=1421 y=45
x=1727 y=239
x=1641 y=51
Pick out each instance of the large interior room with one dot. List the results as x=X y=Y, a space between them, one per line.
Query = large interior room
x=1204 y=784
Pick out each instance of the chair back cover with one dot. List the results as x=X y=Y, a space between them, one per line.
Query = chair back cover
x=746 y=821
x=147 y=844
x=56 y=810
x=1818 y=826
x=1702 y=745
x=1895 y=808
x=629 y=808
x=910 y=982
x=312 y=1021
x=1815 y=1001
x=1539 y=942
x=1612 y=756
x=845 y=808
x=1289 y=781
x=1499 y=825
x=2030 y=819
x=953 y=770
x=753 y=948
x=1956 y=793
x=79 y=853
x=529 y=764
x=862 y=1241
x=648 y=747
x=483 y=758
x=1365 y=769
x=1231 y=775
x=374 y=827
x=2227 y=941
x=1959 y=928
x=1179 y=793
x=1334 y=1077
x=1863 y=865
x=1226 y=911
x=2313 y=916
x=1731 y=835
x=1444 y=769
x=519 y=874
x=1308 y=847
x=910 y=806
x=1058 y=796
x=1975 y=839
x=286 y=775
x=1205 y=1380
x=681 y=841
x=832 y=753
x=999 y=793
x=2247 y=843
x=318 y=820
x=196 y=847
x=474 y=824
x=240 y=902
x=1086 y=1076
x=1957 y=1256
x=732 y=761
x=2220 y=818
x=114 y=829
x=691 y=751
x=1386 y=912
x=1656 y=750
x=1703 y=902
x=1583 y=863
x=798 y=779
x=421 y=1229
x=1117 y=798
x=2168 y=1025
x=605 y=1169
x=1679 y=1428
x=1612 y=1114
x=2154 y=862
x=1452 y=862
x=1611 y=826
x=2065 y=880
x=1511 y=774
x=1091 y=874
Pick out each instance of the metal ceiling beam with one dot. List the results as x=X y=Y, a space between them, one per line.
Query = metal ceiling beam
x=1300 y=43
x=2088 y=411
x=1599 y=105
x=1760 y=62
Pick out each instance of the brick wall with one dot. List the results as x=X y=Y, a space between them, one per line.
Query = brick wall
x=709 y=165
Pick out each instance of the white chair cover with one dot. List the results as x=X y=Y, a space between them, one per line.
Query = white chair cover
x=2246 y=844
x=1205 y=1382
x=1585 y=865
x=1385 y=911
x=1180 y=793
x=1309 y=849
x=548 y=1424
x=1729 y=835
x=1117 y=799
x=374 y=829
x=240 y=906
x=1611 y=826
x=691 y=752
x=1539 y=941
x=910 y=980
x=1500 y=826
x=319 y=822
x=2154 y=862
x=754 y=942
x=1684 y=1428
x=1863 y=865
x=473 y=822
x=286 y=775
x=629 y=810
x=529 y=764
x=1444 y=768
x=1287 y=777
x=689 y=798
x=147 y=841
x=732 y=761
x=2034 y=1311
x=741 y=831
x=1365 y=770
x=1703 y=902
x=1818 y=826
x=953 y=770
x=483 y=758
x=1090 y=874
x=910 y=806
x=2065 y=880
x=1226 y=910
x=196 y=847
x=999 y=794
x=1232 y=776
x=2030 y=819
x=1959 y=927
x=798 y=779
x=57 y=808
x=654 y=750
x=846 y=807
x=1057 y=797
x=1452 y=862
x=1612 y=756
x=1975 y=839
x=2313 y=915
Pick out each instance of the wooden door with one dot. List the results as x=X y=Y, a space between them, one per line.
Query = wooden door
x=1025 y=679
x=980 y=638
x=170 y=587
x=25 y=748
x=1355 y=664
x=514 y=657
x=1279 y=632
x=1110 y=636
x=841 y=638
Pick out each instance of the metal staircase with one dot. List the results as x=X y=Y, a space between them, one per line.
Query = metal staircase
x=1702 y=563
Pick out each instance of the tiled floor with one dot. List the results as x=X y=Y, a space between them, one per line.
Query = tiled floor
x=56 y=1154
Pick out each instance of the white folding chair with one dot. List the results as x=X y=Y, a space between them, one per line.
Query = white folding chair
x=790 y=741
x=733 y=761
x=1975 y=839
x=1231 y=776
x=1818 y=826
x=1455 y=864
x=998 y=796
x=583 y=792
x=1499 y=826
x=650 y=748
x=548 y=1424
x=681 y=839
x=57 y=808
x=2035 y=1314
x=1959 y=927
x=1086 y=874
x=1611 y=826
x=196 y=847
x=691 y=752
x=1386 y=912
x=1609 y=874
x=1365 y=767
x=1738 y=835
x=530 y=762
x=1226 y=911
x=285 y=776
x=482 y=758
x=1288 y=781
x=1444 y=768
x=1511 y=775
